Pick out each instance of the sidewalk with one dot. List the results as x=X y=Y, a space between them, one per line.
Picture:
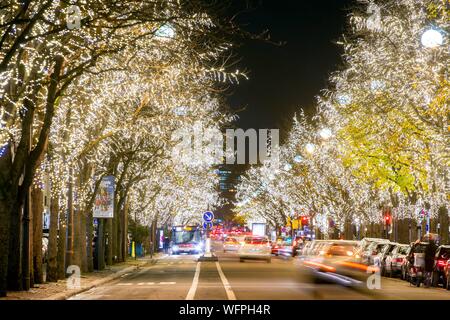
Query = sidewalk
x=59 y=291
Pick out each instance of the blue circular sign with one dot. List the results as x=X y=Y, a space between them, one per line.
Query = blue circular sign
x=208 y=216
x=207 y=225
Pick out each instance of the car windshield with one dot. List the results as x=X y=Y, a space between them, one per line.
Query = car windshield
x=402 y=250
x=444 y=253
x=419 y=248
x=250 y=240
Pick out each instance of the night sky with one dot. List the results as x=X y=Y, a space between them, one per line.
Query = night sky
x=285 y=78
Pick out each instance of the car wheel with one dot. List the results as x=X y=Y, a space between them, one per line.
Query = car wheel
x=269 y=260
x=241 y=260
x=448 y=283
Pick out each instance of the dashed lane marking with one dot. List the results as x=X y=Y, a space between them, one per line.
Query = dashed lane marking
x=193 y=289
x=226 y=284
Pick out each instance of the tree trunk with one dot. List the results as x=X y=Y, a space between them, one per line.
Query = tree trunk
x=52 y=270
x=15 y=252
x=90 y=239
x=4 y=242
x=83 y=244
x=124 y=232
x=38 y=208
x=70 y=258
x=62 y=245
x=108 y=240
x=100 y=245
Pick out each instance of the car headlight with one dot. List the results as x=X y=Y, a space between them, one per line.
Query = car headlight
x=175 y=248
x=198 y=247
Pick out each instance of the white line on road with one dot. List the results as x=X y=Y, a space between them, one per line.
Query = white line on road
x=191 y=293
x=167 y=283
x=226 y=284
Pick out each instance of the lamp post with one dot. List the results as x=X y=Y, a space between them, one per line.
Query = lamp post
x=432 y=38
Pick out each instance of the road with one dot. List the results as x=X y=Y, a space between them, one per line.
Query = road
x=181 y=277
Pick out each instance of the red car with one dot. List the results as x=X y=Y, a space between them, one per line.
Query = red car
x=440 y=262
x=447 y=275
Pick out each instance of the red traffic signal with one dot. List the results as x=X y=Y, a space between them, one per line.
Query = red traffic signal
x=305 y=221
x=387 y=219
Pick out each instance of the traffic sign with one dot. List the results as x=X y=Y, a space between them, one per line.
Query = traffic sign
x=207 y=225
x=208 y=216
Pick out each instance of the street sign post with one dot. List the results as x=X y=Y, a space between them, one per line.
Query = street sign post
x=208 y=216
x=207 y=225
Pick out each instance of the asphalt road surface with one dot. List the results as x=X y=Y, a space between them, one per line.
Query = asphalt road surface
x=181 y=277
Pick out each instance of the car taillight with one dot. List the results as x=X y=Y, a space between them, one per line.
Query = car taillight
x=441 y=263
x=398 y=260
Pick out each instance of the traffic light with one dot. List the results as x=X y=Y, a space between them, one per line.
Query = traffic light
x=387 y=219
x=305 y=221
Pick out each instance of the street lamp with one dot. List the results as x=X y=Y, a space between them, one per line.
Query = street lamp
x=298 y=158
x=432 y=38
x=310 y=148
x=165 y=31
x=344 y=99
x=325 y=133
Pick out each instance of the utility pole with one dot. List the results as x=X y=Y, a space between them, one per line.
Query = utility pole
x=26 y=230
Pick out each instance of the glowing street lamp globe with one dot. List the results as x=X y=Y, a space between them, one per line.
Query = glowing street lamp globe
x=310 y=148
x=344 y=99
x=298 y=158
x=165 y=31
x=432 y=38
x=325 y=133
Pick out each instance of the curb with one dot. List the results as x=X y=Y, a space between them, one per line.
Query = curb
x=118 y=274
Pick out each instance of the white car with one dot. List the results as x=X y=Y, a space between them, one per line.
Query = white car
x=231 y=244
x=255 y=247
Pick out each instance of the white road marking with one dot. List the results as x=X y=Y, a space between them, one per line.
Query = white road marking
x=167 y=283
x=141 y=284
x=125 y=284
x=226 y=284
x=193 y=289
x=150 y=283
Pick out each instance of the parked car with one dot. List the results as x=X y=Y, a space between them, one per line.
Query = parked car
x=438 y=276
x=382 y=256
x=375 y=253
x=447 y=274
x=255 y=247
x=303 y=252
x=231 y=244
x=368 y=248
x=396 y=259
x=415 y=263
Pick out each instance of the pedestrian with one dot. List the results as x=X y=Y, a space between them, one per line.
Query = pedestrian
x=166 y=244
x=430 y=253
